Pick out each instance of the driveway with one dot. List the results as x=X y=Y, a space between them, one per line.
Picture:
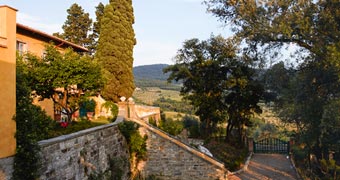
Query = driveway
x=267 y=166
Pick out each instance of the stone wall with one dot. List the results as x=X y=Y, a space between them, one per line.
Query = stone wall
x=169 y=158
x=6 y=168
x=77 y=155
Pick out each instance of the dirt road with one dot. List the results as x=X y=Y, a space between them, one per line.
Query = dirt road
x=267 y=166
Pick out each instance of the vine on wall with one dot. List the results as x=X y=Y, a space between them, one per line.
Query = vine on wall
x=136 y=143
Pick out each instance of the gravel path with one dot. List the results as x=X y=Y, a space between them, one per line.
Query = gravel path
x=267 y=166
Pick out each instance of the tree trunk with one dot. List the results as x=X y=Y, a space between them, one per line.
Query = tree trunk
x=230 y=127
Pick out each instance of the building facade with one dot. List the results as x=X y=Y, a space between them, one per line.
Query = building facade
x=15 y=37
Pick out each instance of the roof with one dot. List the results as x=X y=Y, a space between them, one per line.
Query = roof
x=8 y=7
x=22 y=29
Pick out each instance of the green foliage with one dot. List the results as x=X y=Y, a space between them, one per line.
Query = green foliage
x=217 y=83
x=167 y=104
x=63 y=77
x=309 y=97
x=162 y=84
x=152 y=121
x=74 y=126
x=330 y=168
x=32 y=126
x=77 y=26
x=88 y=104
x=192 y=124
x=330 y=127
x=171 y=126
x=115 y=49
x=96 y=29
x=233 y=156
x=266 y=26
x=113 y=107
x=136 y=143
x=114 y=172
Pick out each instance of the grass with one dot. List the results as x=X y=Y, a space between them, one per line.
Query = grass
x=151 y=94
x=174 y=115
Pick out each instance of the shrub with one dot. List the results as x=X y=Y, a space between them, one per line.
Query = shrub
x=136 y=143
x=114 y=109
x=232 y=156
x=192 y=124
x=73 y=126
x=115 y=170
x=89 y=105
x=152 y=121
x=170 y=126
x=32 y=125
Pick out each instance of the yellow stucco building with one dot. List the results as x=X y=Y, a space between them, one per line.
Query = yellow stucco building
x=17 y=37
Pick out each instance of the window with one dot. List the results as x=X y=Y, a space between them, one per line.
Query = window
x=21 y=47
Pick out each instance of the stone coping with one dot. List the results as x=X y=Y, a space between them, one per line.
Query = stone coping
x=65 y=137
x=245 y=167
x=186 y=147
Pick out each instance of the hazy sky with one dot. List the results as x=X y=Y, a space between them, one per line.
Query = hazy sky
x=161 y=26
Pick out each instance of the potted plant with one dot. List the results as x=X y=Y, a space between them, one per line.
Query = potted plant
x=89 y=105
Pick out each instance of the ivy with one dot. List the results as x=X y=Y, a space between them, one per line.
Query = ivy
x=114 y=109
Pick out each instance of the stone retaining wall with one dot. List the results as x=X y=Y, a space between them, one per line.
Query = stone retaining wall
x=170 y=159
x=6 y=168
x=77 y=155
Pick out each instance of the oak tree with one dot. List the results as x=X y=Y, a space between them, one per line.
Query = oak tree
x=214 y=80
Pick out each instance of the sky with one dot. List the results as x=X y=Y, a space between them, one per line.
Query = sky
x=161 y=26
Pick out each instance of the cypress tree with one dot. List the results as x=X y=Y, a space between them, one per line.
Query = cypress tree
x=96 y=28
x=115 y=49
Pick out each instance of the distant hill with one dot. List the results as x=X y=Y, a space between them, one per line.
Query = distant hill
x=153 y=76
x=154 y=71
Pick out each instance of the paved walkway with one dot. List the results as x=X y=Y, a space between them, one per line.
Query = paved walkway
x=266 y=167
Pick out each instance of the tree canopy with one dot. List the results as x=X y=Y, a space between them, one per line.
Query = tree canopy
x=215 y=79
x=313 y=26
x=96 y=28
x=115 y=49
x=77 y=26
x=63 y=77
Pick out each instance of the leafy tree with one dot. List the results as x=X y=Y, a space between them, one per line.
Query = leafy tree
x=77 y=26
x=330 y=128
x=314 y=28
x=311 y=25
x=214 y=78
x=242 y=99
x=32 y=125
x=63 y=78
x=115 y=49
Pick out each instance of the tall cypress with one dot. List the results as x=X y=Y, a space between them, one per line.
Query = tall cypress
x=115 y=49
x=96 y=28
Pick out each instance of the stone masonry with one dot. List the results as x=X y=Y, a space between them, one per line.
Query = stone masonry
x=170 y=159
x=6 y=168
x=76 y=156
